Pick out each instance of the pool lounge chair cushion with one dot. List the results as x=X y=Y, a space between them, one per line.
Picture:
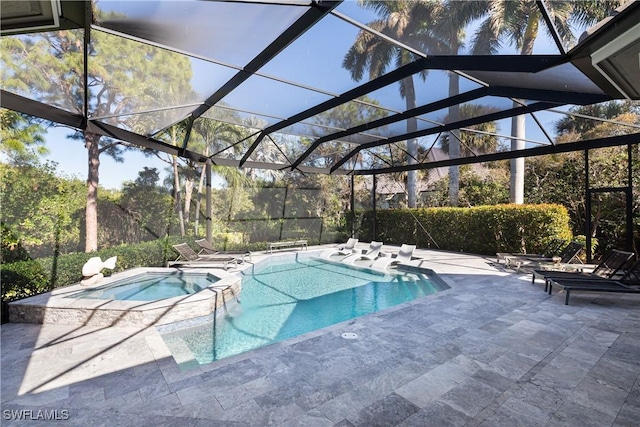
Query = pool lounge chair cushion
x=404 y=255
x=629 y=283
x=589 y=285
x=206 y=248
x=345 y=249
x=371 y=253
x=607 y=268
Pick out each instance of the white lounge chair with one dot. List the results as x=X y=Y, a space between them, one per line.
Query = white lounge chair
x=346 y=249
x=371 y=253
x=404 y=255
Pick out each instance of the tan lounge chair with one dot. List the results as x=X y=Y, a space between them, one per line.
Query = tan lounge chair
x=187 y=257
x=568 y=255
x=207 y=249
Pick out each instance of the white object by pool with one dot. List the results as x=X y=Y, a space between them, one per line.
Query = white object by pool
x=92 y=269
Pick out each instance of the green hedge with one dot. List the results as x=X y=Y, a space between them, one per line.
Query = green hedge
x=25 y=278
x=480 y=230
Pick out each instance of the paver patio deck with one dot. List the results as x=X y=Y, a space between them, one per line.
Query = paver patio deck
x=494 y=350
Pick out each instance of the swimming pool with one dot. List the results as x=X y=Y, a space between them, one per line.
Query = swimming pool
x=150 y=287
x=290 y=296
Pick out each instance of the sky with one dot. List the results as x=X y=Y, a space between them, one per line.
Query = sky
x=71 y=157
x=305 y=61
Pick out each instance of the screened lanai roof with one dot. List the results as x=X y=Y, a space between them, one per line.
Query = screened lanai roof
x=319 y=86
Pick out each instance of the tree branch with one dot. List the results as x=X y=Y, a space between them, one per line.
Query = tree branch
x=108 y=146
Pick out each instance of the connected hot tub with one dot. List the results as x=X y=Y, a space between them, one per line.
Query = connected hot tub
x=137 y=297
x=150 y=286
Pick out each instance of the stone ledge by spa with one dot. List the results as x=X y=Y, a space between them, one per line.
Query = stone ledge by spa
x=58 y=307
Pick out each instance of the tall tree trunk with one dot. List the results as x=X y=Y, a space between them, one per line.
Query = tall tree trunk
x=196 y=221
x=518 y=123
x=176 y=195
x=188 y=194
x=412 y=144
x=454 y=135
x=92 y=141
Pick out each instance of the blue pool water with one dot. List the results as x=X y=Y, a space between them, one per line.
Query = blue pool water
x=283 y=299
x=150 y=286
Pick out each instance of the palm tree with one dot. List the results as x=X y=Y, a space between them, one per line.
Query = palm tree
x=405 y=21
x=342 y=117
x=519 y=23
x=209 y=136
x=471 y=143
x=451 y=19
x=268 y=151
x=581 y=125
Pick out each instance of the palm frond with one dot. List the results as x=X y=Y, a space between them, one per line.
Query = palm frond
x=588 y=12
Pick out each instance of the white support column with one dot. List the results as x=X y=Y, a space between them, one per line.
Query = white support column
x=208 y=190
x=517 y=165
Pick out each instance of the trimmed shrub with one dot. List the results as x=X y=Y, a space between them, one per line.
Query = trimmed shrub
x=11 y=249
x=23 y=279
x=480 y=230
x=27 y=278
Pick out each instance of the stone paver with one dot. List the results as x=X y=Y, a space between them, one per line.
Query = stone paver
x=494 y=350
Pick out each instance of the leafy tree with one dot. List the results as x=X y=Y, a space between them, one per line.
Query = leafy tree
x=582 y=121
x=124 y=78
x=560 y=178
x=608 y=169
x=22 y=137
x=210 y=136
x=405 y=21
x=518 y=22
x=241 y=209
x=148 y=204
x=268 y=151
x=483 y=186
x=174 y=135
x=479 y=185
x=343 y=117
x=12 y=249
x=40 y=208
x=451 y=18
